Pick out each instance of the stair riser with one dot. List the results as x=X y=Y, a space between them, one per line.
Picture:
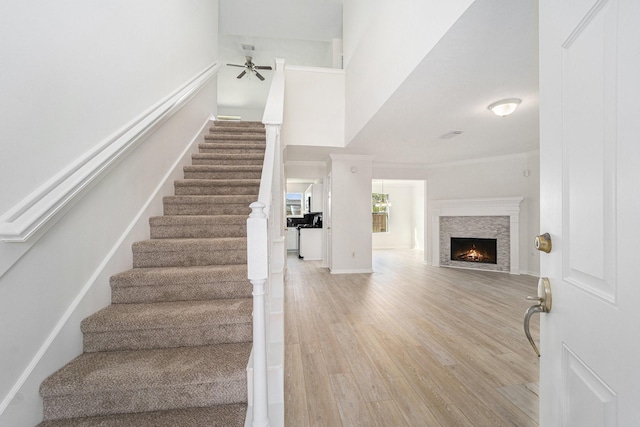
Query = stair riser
x=167 y=337
x=189 y=205
x=150 y=399
x=228 y=162
x=253 y=132
x=222 y=175
x=217 y=416
x=256 y=145
x=211 y=148
x=249 y=138
x=180 y=292
x=224 y=168
x=216 y=190
x=206 y=209
x=185 y=258
x=235 y=139
x=235 y=124
x=238 y=129
x=197 y=231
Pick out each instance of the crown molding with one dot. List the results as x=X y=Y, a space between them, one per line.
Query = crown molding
x=480 y=160
x=505 y=157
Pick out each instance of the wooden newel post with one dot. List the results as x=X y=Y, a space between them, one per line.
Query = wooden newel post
x=258 y=272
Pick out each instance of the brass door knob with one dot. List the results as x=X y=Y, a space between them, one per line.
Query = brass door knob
x=543 y=243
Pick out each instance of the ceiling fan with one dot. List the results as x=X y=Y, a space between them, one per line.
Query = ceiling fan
x=251 y=68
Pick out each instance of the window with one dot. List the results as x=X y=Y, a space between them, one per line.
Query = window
x=380 y=212
x=294 y=204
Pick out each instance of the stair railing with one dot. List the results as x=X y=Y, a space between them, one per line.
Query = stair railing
x=264 y=229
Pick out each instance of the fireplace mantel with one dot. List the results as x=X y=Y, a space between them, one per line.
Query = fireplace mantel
x=497 y=206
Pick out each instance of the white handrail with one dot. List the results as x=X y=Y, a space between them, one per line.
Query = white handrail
x=263 y=227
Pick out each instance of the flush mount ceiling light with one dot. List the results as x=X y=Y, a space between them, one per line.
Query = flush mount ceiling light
x=504 y=107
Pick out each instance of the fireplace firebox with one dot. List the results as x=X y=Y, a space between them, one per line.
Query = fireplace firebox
x=469 y=249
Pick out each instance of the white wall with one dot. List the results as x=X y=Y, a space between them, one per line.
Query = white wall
x=76 y=71
x=283 y=19
x=533 y=225
x=419 y=215
x=314 y=107
x=313 y=171
x=297 y=188
x=373 y=32
x=404 y=218
x=350 y=213
x=246 y=114
x=73 y=75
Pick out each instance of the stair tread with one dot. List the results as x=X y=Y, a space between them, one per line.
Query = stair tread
x=180 y=275
x=211 y=416
x=175 y=315
x=113 y=371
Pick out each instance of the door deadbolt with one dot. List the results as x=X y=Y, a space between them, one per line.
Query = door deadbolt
x=543 y=306
x=543 y=243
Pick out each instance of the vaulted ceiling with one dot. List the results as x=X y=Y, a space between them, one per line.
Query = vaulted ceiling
x=490 y=53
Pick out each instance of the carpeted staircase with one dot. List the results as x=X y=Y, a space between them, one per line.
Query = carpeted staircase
x=172 y=348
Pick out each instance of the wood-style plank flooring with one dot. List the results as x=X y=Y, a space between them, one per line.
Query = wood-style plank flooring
x=409 y=345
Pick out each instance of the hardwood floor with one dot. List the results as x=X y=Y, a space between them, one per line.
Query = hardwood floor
x=409 y=345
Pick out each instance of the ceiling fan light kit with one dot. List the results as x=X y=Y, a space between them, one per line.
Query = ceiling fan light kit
x=504 y=107
x=250 y=67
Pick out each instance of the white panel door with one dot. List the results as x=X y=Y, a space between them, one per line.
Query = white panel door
x=590 y=204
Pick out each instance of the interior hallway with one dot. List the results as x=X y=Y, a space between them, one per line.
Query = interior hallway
x=408 y=345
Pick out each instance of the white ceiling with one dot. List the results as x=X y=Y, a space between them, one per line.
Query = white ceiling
x=312 y=20
x=490 y=53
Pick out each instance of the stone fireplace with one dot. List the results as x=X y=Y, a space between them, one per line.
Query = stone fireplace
x=480 y=234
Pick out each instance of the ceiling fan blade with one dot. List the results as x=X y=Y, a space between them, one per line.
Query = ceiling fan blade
x=241 y=75
x=235 y=65
x=263 y=67
x=259 y=76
